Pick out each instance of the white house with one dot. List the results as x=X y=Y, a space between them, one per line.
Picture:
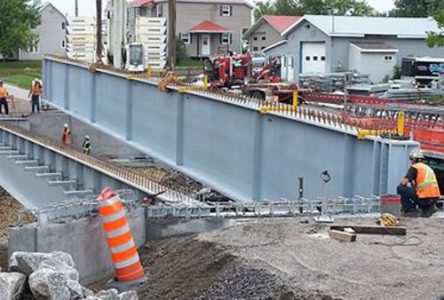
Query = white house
x=51 y=35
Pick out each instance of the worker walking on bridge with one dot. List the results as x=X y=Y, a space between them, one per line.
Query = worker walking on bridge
x=34 y=93
x=66 y=135
x=424 y=190
x=87 y=145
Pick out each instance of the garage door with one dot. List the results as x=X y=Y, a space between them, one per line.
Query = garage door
x=313 y=58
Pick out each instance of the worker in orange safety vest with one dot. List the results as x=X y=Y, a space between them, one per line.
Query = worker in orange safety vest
x=34 y=93
x=424 y=190
x=3 y=98
x=66 y=135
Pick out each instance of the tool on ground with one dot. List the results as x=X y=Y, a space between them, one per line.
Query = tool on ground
x=388 y=220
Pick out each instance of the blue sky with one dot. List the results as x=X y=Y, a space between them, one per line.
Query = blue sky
x=87 y=7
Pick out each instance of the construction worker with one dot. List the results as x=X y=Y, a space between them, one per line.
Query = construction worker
x=66 y=135
x=424 y=190
x=35 y=92
x=87 y=145
x=3 y=98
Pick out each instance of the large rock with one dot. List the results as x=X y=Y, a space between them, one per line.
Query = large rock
x=26 y=262
x=11 y=285
x=111 y=294
x=50 y=282
x=46 y=284
x=131 y=295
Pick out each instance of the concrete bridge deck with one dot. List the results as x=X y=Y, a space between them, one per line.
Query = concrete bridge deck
x=224 y=141
x=39 y=172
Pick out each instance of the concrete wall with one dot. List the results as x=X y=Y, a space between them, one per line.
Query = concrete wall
x=227 y=145
x=85 y=239
x=50 y=33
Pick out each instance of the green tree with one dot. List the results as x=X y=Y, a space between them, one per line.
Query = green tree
x=16 y=20
x=314 y=7
x=436 y=39
x=263 y=8
x=285 y=7
x=412 y=8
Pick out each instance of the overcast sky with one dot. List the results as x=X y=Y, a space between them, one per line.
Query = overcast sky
x=87 y=7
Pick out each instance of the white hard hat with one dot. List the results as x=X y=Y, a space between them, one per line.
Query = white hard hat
x=87 y=137
x=66 y=125
x=416 y=154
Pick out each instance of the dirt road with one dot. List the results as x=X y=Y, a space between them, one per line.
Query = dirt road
x=287 y=259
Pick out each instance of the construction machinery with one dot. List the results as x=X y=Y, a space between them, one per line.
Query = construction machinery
x=229 y=71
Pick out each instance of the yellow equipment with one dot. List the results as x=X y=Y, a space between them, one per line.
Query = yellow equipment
x=400 y=130
x=388 y=220
x=170 y=77
x=285 y=108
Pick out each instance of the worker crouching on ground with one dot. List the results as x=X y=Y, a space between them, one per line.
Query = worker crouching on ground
x=34 y=93
x=87 y=145
x=424 y=190
x=4 y=99
x=66 y=135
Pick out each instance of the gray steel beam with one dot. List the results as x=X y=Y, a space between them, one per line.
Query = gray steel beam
x=224 y=141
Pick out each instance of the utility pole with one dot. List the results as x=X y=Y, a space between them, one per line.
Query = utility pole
x=76 y=8
x=99 y=29
x=172 y=34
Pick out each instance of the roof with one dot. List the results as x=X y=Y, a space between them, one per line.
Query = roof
x=208 y=27
x=367 y=46
x=50 y=5
x=279 y=23
x=141 y=3
x=350 y=26
x=274 y=45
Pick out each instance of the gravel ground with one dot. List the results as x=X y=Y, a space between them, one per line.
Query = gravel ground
x=287 y=259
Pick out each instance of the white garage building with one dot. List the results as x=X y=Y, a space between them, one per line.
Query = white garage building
x=370 y=45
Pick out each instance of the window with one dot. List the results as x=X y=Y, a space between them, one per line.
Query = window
x=160 y=10
x=34 y=47
x=63 y=25
x=255 y=48
x=315 y=58
x=307 y=58
x=225 y=10
x=63 y=43
x=263 y=38
x=186 y=38
x=323 y=58
x=225 y=38
x=255 y=38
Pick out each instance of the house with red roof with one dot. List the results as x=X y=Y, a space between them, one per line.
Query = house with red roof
x=207 y=27
x=267 y=31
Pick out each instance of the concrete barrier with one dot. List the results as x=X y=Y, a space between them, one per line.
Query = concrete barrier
x=85 y=240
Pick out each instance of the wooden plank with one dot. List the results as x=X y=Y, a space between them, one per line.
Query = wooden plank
x=398 y=230
x=342 y=236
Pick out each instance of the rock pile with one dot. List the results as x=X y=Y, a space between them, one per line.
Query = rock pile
x=49 y=276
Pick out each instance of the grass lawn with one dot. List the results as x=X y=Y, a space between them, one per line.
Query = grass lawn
x=189 y=63
x=20 y=73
